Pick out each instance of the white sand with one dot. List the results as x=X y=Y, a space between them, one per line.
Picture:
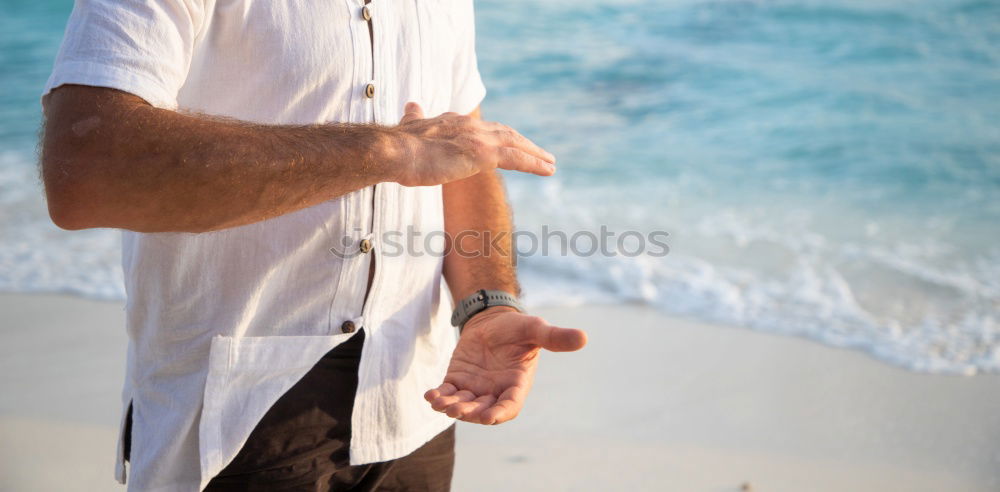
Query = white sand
x=663 y=404
x=653 y=403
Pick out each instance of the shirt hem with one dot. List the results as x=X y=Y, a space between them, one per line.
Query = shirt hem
x=97 y=74
x=387 y=450
x=470 y=99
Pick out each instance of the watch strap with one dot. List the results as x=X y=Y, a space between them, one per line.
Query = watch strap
x=479 y=301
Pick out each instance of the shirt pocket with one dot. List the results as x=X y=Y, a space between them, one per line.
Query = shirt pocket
x=246 y=375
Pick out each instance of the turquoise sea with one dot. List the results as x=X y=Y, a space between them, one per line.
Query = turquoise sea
x=825 y=169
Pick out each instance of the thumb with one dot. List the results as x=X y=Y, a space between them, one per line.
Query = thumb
x=554 y=338
x=411 y=112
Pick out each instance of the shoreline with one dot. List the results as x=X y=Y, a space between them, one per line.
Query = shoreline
x=652 y=400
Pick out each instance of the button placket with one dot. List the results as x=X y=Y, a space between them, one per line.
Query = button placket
x=367 y=244
x=351 y=297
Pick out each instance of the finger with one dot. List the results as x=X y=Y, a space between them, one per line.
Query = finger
x=553 y=338
x=506 y=408
x=411 y=112
x=518 y=160
x=446 y=389
x=474 y=415
x=443 y=402
x=514 y=139
x=469 y=411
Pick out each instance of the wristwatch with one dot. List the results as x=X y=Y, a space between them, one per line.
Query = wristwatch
x=478 y=302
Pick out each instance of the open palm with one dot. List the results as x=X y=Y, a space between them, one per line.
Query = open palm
x=494 y=364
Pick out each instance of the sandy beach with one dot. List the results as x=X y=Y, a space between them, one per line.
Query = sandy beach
x=653 y=403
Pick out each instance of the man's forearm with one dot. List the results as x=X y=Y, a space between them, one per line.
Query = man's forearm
x=477 y=217
x=115 y=161
x=476 y=214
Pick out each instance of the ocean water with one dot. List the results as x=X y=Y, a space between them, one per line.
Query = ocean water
x=824 y=169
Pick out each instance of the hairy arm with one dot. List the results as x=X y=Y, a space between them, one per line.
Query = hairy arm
x=477 y=216
x=109 y=159
x=493 y=366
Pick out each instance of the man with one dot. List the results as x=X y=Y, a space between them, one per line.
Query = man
x=238 y=143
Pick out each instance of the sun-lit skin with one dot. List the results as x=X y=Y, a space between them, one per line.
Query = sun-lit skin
x=493 y=367
x=494 y=364
x=109 y=159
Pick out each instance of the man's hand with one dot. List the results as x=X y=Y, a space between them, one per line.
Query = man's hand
x=493 y=366
x=451 y=147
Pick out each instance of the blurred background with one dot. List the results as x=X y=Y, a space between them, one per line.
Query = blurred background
x=826 y=169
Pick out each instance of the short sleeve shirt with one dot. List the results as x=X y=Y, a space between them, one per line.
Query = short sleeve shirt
x=221 y=324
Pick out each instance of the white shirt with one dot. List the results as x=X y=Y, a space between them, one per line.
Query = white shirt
x=221 y=324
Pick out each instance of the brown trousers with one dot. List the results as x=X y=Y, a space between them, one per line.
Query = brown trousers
x=302 y=442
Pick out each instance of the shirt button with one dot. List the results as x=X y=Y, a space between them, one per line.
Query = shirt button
x=366 y=13
x=370 y=91
x=366 y=245
x=348 y=327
